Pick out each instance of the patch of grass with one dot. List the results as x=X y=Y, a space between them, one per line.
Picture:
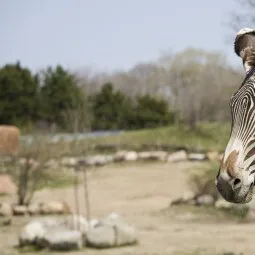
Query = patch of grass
x=207 y=136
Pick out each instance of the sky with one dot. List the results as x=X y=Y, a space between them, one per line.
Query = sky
x=110 y=34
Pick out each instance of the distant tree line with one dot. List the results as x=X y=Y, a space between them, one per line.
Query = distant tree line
x=54 y=97
x=188 y=87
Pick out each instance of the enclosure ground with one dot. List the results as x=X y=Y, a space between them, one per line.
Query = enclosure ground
x=141 y=193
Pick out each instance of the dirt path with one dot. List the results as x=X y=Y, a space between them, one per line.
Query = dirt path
x=139 y=193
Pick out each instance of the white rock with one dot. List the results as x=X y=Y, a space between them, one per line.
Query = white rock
x=120 y=156
x=102 y=236
x=31 y=232
x=55 y=207
x=205 y=200
x=197 y=156
x=110 y=232
x=177 y=156
x=62 y=240
x=68 y=161
x=131 y=156
x=99 y=160
x=34 y=209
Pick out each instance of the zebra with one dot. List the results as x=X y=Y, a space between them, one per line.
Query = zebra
x=235 y=179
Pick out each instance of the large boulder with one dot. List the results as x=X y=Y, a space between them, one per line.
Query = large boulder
x=9 y=140
x=61 y=239
x=6 y=210
x=31 y=232
x=110 y=232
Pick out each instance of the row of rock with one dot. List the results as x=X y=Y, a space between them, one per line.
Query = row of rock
x=74 y=232
x=125 y=156
x=45 y=208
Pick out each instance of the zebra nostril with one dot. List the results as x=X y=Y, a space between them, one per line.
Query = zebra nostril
x=236 y=183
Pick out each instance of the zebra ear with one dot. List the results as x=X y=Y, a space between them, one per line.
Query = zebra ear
x=245 y=47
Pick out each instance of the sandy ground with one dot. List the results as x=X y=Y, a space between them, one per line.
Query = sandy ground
x=141 y=194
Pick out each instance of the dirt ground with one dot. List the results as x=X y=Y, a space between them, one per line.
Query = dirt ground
x=141 y=194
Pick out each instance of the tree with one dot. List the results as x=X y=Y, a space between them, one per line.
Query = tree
x=58 y=95
x=18 y=95
x=152 y=112
x=110 y=109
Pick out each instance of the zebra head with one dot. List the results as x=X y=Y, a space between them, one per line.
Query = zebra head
x=235 y=179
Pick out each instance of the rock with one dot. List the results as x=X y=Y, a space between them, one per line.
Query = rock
x=153 y=155
x=7 y=186
x=6 y=210
x=110 y=232
x=120 y=156
x=55 y=207
x=19 y=210
x=177 y=156
x=31 y=232
x=101 y=236
x=205 y=200
x=223 y=204
x=34 y=209
x=99 y=160
x=131 y=156
x=61 y=240
x=197 y=156
x=68 y=161
x=77 y=222
x=213 y=155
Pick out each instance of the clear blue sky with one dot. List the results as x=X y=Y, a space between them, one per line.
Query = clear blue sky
x=109 y=34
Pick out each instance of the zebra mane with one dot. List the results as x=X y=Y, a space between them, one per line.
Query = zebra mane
x=244 y=47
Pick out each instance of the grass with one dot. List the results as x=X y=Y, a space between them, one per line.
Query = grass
x=207 y=136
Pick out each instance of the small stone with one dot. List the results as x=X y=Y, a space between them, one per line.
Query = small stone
x=205 y=200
